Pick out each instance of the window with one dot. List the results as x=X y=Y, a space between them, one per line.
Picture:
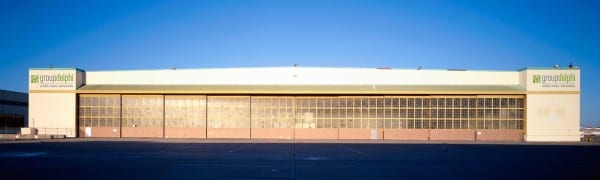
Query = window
x=228 y=111
x=185 y=111
x=99 y=110
x=142 y=110
x=196 y=111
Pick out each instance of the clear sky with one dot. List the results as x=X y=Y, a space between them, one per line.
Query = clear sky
x=435 y=34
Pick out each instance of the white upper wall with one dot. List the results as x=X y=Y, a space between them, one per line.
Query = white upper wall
x=301 y=76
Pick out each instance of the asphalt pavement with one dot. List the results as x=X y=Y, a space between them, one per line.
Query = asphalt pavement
x=235 y=159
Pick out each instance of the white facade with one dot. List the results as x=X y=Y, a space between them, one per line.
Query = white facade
x=553 y=104
x=301 y=76
x=552 y=94
x=52 y=100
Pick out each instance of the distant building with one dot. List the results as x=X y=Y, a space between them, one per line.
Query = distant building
x=13 y=109
x=531 y=104
x=590 y=134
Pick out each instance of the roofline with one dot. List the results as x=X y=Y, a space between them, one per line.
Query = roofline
x=11 y=91
x=307 y=67
x=301 y=89
x=549 y=68
x=77 y=69
x=319 y=67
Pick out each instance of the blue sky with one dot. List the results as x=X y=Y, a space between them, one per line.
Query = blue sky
x=115 y=34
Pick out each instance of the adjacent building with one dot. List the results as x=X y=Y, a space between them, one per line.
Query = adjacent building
x=13 y=111
x=531 y=104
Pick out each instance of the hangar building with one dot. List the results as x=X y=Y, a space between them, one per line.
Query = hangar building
x=530 y=104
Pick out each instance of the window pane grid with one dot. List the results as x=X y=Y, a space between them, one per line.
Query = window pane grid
x=185 y=111
x=228 y=111
x=99 y=110
x=390 y=112
x=142 y=110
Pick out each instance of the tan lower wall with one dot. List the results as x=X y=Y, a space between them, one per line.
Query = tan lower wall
x=185 y=132
x=359 y=133
x=316 y=133
x=308 y=133
x=407 y=134
x=238 y=133
x=102 y=132
x=272 y=133
x=80 y=132
x=155 y=132
x=452 y=134
x=499 y=135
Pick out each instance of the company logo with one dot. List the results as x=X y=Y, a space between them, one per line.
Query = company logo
x=53 y=79
x=35 y=78
x=554 y=79
x=563 y=80
x=537 y=79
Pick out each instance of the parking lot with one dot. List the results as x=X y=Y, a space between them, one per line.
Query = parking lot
x=193 y=159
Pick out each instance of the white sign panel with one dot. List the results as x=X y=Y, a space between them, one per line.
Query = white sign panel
x=553 y=80
x=53 y=79
x=88 y=132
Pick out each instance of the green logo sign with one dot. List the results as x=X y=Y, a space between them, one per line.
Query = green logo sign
x=52 y=79
x=537 y=79
x=35 y=79
x=562 y=80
